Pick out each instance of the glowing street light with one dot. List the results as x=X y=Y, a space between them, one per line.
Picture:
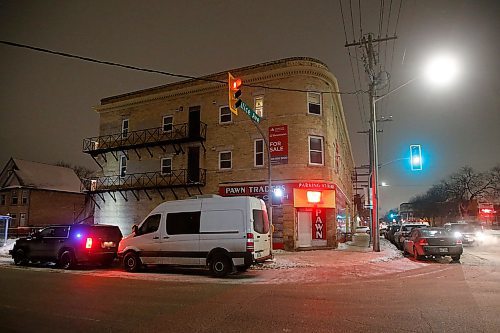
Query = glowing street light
x=442 y=70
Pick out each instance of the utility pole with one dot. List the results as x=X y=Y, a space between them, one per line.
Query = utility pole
x=370 y=60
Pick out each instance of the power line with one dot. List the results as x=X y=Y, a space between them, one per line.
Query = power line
x=360 y=111
x=148 y=70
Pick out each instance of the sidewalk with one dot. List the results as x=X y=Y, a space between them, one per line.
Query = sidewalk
x=346 y=254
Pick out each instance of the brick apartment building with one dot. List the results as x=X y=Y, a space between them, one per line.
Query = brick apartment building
x=179 y=140
x=36 y=194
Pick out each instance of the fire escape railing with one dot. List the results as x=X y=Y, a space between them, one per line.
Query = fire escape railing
x=144 y=138
x=144 y=181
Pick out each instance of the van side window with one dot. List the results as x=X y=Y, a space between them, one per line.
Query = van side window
x=150 y=225
x=183 y=223
x=260 y=221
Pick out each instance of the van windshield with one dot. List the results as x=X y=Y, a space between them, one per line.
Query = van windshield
x=260 y=221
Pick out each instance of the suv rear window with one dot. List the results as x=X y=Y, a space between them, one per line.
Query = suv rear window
x=260 y=221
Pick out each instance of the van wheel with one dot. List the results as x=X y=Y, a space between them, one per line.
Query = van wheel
x=131 y=262
x=67 y=260
x=220 y=265
x=20 y=257
x=455 y=258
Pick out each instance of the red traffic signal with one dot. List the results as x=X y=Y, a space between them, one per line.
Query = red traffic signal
x=234 y=93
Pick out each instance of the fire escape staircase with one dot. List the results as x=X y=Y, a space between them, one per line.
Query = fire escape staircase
x=137 y=141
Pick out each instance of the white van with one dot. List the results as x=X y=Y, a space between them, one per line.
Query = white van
x=223 y=233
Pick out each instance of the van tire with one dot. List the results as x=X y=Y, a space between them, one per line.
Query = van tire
x=131 y=262
x=67 y=260
x=220 y=265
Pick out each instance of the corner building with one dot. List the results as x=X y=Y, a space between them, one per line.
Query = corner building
x=179 y=140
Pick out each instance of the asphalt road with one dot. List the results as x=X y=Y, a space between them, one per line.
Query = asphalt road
x=429 y=296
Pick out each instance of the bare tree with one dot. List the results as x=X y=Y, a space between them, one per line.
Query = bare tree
x=466 y=186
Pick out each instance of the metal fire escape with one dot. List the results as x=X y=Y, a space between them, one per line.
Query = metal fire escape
x=138 y=141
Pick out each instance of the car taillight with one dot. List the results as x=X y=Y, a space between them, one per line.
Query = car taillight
x=88 y=244
x=423 y=241
x=459 y=241
x=250 y=243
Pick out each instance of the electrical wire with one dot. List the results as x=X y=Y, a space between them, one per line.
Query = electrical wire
x=148 y=70
x=360 y=111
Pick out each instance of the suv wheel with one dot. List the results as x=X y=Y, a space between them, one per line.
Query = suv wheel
x=131 y=262
x=67 y=260
x=20 y=257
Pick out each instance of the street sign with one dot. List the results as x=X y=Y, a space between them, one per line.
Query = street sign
x=251 y=113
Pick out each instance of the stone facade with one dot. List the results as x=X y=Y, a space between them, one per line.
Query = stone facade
x=287 y=88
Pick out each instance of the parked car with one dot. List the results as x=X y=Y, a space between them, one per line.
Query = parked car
x=362 y=230
x=404 y=232
x=389 y=233
x=221 y=233
x=69 y=245
x=437 y=242
x=469 y=233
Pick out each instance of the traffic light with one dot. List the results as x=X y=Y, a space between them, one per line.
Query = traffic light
x=234 y=93
x=415 y=157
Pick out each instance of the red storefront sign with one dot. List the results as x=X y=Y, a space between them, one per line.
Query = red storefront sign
x=319 y=223
x=261 y=190
x=278 y=144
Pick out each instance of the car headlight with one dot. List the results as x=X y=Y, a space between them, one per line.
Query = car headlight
x=457 y=234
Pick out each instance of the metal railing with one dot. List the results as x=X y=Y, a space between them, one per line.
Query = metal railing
x=147 y=180
x=144 y=138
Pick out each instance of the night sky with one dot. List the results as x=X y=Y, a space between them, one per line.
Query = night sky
x=46 y=101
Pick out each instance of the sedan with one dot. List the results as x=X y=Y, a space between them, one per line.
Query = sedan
x=436 y=242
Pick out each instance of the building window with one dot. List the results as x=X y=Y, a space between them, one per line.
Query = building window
x=259 y=153
x=168 y=123
x=259 y=105
x=2 y=200
x=22 y=220
x=24 y=197
x=316 y=150
x=124 y=128
x=166 y=166
x=225 y=160
x=225 y=115
x=314 y=103
x=123 y=166
x=14 y=200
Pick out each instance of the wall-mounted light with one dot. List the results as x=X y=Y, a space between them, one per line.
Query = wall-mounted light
x=313 y=196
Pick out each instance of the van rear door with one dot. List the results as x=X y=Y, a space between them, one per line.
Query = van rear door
x=261 y=232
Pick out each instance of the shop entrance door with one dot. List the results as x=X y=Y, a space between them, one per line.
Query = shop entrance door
x=304 y=229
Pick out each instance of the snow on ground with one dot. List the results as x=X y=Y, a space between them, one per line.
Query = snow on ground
x=5 y=248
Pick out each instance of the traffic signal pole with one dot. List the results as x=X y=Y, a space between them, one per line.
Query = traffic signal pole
x=235 y=102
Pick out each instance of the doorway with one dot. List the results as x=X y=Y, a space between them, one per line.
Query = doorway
x=194 y=122
x=193 y=171
x=304 y=229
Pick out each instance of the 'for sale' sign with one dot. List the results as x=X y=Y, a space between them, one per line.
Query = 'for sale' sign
x=278 y=144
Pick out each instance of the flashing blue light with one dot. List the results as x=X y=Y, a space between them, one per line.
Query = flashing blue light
x=278 y=192
x=78 y=235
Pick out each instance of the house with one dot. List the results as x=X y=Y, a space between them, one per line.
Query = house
x=181 y=139
x=35 y=194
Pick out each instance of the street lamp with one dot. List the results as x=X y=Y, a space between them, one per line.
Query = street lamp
x=441 y=70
